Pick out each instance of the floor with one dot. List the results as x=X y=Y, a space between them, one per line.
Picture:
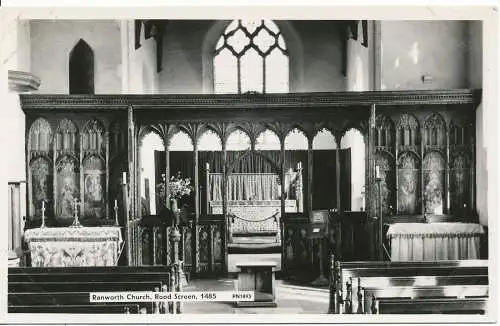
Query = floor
x=290 y=299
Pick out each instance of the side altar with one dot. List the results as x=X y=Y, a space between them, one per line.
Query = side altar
x=74 y=246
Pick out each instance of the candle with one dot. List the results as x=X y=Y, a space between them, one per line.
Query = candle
x=207 y=166
x=124 y=178
x=43 y=205
x=377 y=172
x=116 y=204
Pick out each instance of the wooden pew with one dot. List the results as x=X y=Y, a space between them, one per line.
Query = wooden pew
x=420 y=292
x=126 y=308
x=354 y=283
x=432 y=306
x=62 y=289
x=16 y=287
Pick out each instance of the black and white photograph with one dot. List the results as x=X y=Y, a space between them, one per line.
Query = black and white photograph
x=254 y=163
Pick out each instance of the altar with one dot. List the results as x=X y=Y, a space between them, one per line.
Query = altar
x=74 y=246
x=434 y=241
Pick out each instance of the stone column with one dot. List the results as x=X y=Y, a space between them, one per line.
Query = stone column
x=19 y=82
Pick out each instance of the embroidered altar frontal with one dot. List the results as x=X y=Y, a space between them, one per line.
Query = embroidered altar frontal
x=72 y=247
x=434 y=241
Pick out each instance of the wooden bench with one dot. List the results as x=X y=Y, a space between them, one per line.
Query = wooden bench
x=126 y=308
x=373 y=295
x=432 y=306
x=356 y=287
x=59 y=290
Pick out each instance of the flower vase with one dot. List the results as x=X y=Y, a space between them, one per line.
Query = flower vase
x=175 y=210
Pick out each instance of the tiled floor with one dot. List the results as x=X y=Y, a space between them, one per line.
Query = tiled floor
x=290 y=299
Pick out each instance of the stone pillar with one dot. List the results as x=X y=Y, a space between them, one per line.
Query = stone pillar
x=19 y=82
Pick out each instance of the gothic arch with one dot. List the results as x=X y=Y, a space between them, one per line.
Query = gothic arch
x=81 y=69
x=294 y=46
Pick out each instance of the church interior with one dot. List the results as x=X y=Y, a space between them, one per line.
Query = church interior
x=330 y=166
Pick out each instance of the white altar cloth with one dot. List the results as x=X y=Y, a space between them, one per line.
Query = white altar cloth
x=434 y=241
x=74 y=246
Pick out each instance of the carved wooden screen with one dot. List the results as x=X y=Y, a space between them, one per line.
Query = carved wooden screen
x=434 y=181
x=434 y=165
x=460 y=137
x=40 y=167
x=93 y=144
x=384 y=159
x=296 y=247
x=210 y=252
x=41 y=185
x=94 y=186
x=67 y=167
x=459 y=184
x=408 y=184
x=387 y=184
x=117 y=163
x=67 y=185
x=408 y=174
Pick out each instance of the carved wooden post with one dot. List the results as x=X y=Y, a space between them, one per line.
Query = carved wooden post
x=374 y=306
x=193 y=228
x=472 y=181
x=310 y=176
x=447 y=171
x=283 y=207
x=422 y=157
x=333 y=287
x=338 y=236
x=227 y=223
x=126 y=219
x=207 y=187
x=107 y=168
x=371 y=195
x=360 y=298
x=337 y=172
x=166 y=142
x=348 y=298
x=196 y=180
x=335 y=301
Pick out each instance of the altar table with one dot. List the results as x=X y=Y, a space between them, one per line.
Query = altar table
x=434 y=241
x=74 y=246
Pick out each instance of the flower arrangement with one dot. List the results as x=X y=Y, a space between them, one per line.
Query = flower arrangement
x=178 y=187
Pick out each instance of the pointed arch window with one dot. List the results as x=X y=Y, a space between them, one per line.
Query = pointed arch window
x=81 y=69
x=251 y=56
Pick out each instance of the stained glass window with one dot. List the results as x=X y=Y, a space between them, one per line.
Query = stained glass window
x=251 y=56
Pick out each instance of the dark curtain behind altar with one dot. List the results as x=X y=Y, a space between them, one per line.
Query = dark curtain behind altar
x=324 y=176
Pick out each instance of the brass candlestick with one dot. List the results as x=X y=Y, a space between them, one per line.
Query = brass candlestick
x=116 y=213
x=43 y=214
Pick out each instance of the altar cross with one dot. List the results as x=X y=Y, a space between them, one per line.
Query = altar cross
x=75 y=211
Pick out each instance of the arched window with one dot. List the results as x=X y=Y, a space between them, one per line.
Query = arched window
x=81 y=69
x=251 y=56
